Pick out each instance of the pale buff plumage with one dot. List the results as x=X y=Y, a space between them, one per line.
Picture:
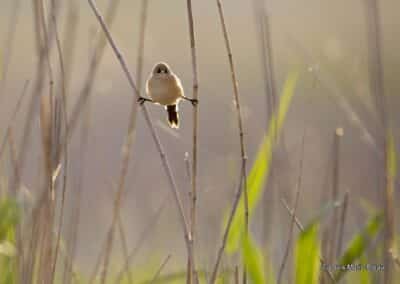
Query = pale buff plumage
x=165 y=88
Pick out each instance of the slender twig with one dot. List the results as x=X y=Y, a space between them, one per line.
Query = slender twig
x=262 y=21
x=374 y=33
x=8 y=45
x=97 y=265
x=141 y=42
x=243 y=173
x=332 y=229
x=227 y=229
x=132 y=118
x=342 y=223
x=191 y=268
x=142 y=238
x=68 y=48
x=43 y=48
x=13 y=116
x=76 y=214
x=92 y=71
x=267 y=56
x=163 y=156
x=50 y=128
x=296 y=201
x=341 y=100
x=161 y=268
x=65 y=120
x=126 y=151
x=301 y=228
x=69 y=39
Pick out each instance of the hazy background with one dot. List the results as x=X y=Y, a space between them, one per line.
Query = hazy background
x=332 y=32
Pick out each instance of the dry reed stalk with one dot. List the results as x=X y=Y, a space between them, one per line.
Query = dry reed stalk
x=76 y=213
x=69 y=40
x=262 y=20
x=84 y=94
x=90 y=77
x=50 y=130
x=144 y=235
x=296 y=201
x=332 y=230
x=342 y=223
x=243 y=174
x=161 y=268
x=226 y=232
x=9 y=45
x=43 y=49
x=13 y=116
x=301 y=229
x=64 y=118
x=342 y=101
x=128 y=145
x=132 y=119
x=191 y=255
x=374 y=36
x=124 y=246
x=160 y=149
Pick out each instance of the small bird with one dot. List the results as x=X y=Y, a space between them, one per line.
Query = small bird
x=165 y=88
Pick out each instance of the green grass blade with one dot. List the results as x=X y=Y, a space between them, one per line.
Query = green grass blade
x=253 y=260
x=359 y=244
x=9 y=217
x=260 y=169
x=307 y=255
x=365 y=275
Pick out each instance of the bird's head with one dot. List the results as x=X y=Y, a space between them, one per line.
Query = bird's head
x=161 y=69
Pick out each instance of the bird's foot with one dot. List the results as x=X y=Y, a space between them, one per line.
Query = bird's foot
x=194 y=102
x=142 y=100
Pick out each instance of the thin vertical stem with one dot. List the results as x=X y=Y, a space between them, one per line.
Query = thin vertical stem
x=227 y=229
x=342 y=223
x=142 y=238
x=374 y=35
x=13 y=116
x=296 y=201
x=191 y=265
x=239 y=121
x=301 y=229
x=163 y=156
x=65 y=120
x=262 y=20
x=331 y=255
x=8 y=45
x=161 y=268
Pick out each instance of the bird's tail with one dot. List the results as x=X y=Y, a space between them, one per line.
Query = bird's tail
x=173 y=117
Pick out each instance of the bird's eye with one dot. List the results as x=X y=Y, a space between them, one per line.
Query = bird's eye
x=159 y=70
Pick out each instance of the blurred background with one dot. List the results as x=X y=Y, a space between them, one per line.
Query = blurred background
x=326 y=40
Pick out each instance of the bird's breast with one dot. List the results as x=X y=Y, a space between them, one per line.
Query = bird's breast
x=165 y=91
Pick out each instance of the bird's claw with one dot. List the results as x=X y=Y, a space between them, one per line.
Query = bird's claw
x=141 y=100
x=194 y=102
